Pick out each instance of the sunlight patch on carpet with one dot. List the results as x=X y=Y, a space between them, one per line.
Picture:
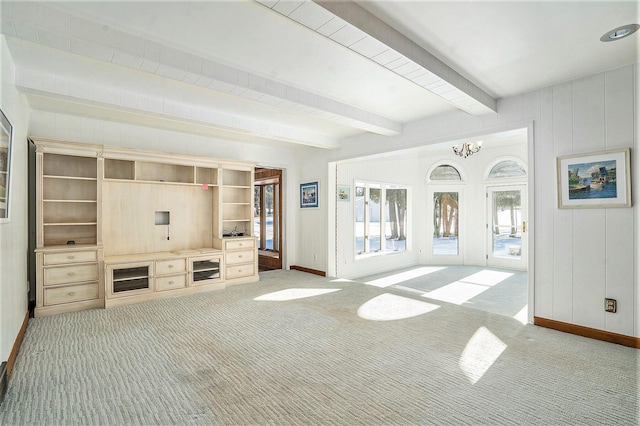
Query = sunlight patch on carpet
x=481 y=352
x=388 y=307
x=522 y=315
x=486 y=277
x=294 y=293
x=457 y=292
x=403 y=276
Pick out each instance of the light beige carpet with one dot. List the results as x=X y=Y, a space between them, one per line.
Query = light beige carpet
x=300 y=349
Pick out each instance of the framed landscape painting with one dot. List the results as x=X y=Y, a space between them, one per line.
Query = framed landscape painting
x=309 y=195
x=5 y=164
x=595 y=180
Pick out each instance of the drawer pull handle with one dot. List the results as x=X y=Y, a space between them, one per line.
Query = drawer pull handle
x=170 y=282
x=71 y=274
x=72 y=293
x=239 y=256
x=170 y=266
x=71 y=257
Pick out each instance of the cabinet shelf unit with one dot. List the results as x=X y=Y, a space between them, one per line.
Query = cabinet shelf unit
x=236 y=216
x=96 y=211
x=69 y=194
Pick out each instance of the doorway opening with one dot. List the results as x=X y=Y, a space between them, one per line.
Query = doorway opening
x=267 y=217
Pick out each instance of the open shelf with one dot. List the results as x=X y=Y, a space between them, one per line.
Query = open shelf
x=236 y=211
x=63 y=234
x=206 y=175
x=66 y=188
x=69 y=165
x=161 y=172
x=119 y=169
x=238 y=178
x=78 y=212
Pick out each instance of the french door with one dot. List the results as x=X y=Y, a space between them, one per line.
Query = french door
x=507 y=227
x=444 y=242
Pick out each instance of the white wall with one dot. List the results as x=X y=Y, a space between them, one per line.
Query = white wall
x=13 y=235
x=581 y=255
x=412 y=168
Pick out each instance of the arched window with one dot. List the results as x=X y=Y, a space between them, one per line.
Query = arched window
x=507 y=169
x=445 y=172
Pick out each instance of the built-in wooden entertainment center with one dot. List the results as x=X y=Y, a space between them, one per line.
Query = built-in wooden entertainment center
x=117 y=226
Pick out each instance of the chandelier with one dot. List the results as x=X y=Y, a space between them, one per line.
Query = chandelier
x=467 y=149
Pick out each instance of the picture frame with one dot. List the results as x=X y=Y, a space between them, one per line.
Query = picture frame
x=343 y=193
x=6 y=139
x=309 y=195
x=594 y=180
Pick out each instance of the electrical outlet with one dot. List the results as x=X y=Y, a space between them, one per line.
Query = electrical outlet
x=610 y=305
x=315 y=257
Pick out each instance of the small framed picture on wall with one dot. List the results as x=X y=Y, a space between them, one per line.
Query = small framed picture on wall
x=309 y=195
x=343 y=193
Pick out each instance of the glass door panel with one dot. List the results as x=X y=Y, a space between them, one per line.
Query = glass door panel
x=359 y=222
x=506 y=236
x=374 y=219
x=270 y=213
x=446 y=216
x=446 y=224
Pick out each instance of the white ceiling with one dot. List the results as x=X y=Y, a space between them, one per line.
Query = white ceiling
x=302 y=72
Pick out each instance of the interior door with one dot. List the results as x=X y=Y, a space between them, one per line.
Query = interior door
x=507 y=227
x=267 y=219
x=446 y=237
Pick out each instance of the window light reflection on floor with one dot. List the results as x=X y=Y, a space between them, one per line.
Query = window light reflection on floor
x=294 y=293
x=487 y=277
x=403 y=276
x=388 y=307
x=522 y=315
x=481 y=352
x=459 y=292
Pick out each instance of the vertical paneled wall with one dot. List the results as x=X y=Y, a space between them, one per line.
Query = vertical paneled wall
x=584 y=255
x=13 y=235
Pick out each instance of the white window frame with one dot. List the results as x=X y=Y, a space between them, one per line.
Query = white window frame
x=368 y=185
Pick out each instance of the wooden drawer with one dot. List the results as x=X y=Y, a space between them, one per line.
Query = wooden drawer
x=70 y=293
x=240 y=271
x=173 y=266
x=170 y=283
x=239 y=244
x=236 y=257
x=71 y=274
x=70 y=257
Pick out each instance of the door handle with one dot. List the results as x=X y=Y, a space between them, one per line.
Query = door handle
x=524 y=226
